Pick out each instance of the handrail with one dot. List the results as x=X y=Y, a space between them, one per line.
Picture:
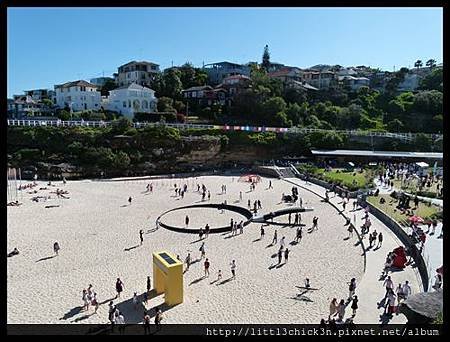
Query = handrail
x=297 y=130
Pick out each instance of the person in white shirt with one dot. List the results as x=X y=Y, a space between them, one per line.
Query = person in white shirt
x=406 y=290
x=119 y=319
x=389 y=284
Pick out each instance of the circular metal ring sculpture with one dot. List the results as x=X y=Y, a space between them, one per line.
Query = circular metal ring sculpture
x=264 y=218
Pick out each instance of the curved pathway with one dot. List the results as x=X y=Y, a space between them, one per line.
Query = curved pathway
x=370 y=290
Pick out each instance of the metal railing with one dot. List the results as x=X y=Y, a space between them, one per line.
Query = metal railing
x=184 y=126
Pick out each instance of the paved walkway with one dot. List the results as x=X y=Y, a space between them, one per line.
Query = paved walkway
x=433 y=251
x=370 y=291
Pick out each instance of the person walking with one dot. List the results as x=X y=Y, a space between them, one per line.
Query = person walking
x=141 y=236
x=129 y=200
x=119 y=287
x=282 y=243
x=262 y=232
x=135 y=301
x=149 y=284
x=286 y=255
x=206 y=264
x=146 y=322
x=94 y=302
x=389 y=285
x=219 y=275
x=274 y=240
x=56 y=248
x=280 y=255
x=158 y=318
x=406 y=289
x=380 y=240
x=341 y=310
x=202 y=250
x=333 y=308
x=233 y=269
x=354 y=305
x=240 y=195
x=187 y=261
x=351 y=288
x=186 y=221
x=207 y=229
x=86 y=300
x=350 y=231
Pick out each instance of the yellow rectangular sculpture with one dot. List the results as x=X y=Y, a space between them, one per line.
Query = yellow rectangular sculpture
x=168 y=277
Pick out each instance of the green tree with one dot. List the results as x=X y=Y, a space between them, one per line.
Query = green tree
x=294 y=114
x=107 y=87
x=121 y=160
x=266 y=58
x=165 y=104
x=433 y=81
x=431 y=63
x=395 y=125
x=418 y=64
x=422 y=142
x=64 y=115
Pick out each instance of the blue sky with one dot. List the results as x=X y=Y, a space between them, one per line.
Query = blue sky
x=48 y=46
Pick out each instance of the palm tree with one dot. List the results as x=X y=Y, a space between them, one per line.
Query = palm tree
x=431 y=63
x=418 y=64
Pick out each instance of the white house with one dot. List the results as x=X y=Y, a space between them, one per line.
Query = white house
x=131 y=99
x=78 y=95
x=355 y=83
x=410 y=83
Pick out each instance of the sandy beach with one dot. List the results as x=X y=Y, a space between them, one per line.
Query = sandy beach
x=99 y=237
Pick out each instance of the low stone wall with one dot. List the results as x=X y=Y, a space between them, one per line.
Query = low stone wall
x=395 y=227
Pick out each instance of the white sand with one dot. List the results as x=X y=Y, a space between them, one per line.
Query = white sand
x=95 y=226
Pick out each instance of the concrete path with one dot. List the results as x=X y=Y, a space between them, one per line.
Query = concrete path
x=433 y=251
x=371 y=291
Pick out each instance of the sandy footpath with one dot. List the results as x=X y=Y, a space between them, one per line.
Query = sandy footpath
x=98 y=234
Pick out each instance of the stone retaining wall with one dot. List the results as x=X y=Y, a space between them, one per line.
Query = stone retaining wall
x=395 y=227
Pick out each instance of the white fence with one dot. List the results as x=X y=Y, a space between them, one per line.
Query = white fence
x=60 y=123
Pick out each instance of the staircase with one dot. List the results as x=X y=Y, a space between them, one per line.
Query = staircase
x=286 y=172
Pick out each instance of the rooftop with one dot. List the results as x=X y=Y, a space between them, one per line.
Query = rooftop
x=75 y=84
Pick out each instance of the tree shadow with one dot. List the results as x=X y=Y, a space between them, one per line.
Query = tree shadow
x=195 y=281
x=130 y=248
x=46 y=258
x=71 y=313
x=293 y=243
x=225 y=281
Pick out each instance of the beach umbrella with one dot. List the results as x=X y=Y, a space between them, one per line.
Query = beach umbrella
x=416 y=219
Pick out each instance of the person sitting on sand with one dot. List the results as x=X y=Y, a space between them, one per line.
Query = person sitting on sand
x=15 y=251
